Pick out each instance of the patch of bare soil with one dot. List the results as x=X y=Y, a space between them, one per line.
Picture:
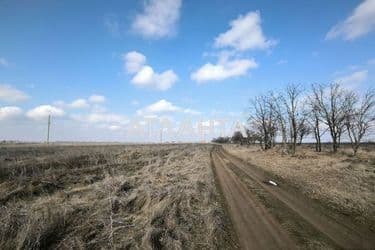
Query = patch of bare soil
x=100 y=197
x=309 y=178
x=342 y=183
x=255 y=227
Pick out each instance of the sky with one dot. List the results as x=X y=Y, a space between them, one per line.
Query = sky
x=121 y=70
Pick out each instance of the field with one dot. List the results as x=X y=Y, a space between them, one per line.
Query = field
x=102 y=197
x=185 y=196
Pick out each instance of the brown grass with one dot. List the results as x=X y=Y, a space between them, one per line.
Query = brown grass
x=343 y=182
x=128 y=197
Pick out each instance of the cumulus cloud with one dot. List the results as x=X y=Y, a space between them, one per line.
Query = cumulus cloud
x=245 y=33
x=82 y=102
x=79 y=103
x=44 y=111
x=114 y=127
x=10 y=94
x=359 y=23
x=4 y=62
x=134 y=61
x=101 y=118
x=164 y=106
x=10 y=112
x=97 y=99
x=224 y=69
x=158 y=19
x=97 y=108
x=353 y=80
x=144 y=75
x=161 y=106
x=192 y=112
x=76 y=104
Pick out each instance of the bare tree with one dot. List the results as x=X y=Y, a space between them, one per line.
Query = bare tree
x=314 y=121
x=277 y=105
x=252 y=136
x=293 y=109
x=262 y=118
x=331 y=104
x=360 y=116
x=303 y=128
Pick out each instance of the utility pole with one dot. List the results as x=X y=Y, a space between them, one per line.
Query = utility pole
x=49 y=126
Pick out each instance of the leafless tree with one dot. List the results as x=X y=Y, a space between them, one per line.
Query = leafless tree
x=360 y=116
x=262 y=118
x=303 y=128
x=252 y=136
x=277 y=105
x=314 y=121
x=331 y=104
x=293 y=109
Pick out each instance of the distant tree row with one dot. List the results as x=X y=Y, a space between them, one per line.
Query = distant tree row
x=293 y=114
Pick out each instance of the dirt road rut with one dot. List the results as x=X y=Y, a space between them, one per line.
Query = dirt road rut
x=255 y=226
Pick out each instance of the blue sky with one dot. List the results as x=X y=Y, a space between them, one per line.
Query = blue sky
x=96 y=67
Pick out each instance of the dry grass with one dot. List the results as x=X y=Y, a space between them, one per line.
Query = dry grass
x=342 y=182
x=101 y=197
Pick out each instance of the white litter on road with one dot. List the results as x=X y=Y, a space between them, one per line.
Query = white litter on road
x=272 y=183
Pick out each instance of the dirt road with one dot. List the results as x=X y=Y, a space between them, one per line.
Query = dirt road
x=256 y=227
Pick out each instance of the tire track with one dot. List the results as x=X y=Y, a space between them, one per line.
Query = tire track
x=255 y=227
x=344 y=233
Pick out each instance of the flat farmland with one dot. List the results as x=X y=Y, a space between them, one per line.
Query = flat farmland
x=184 y=196
x=113 y=196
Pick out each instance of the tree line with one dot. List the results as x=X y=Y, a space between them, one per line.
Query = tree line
x=293 y=113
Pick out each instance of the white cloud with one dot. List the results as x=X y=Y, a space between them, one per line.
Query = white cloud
x=359 y=23
x=97 y=99
x=106 y=117
x=44 y=111
x=161 y=106
x=145 y=76
x=4 y=62
x=353 y=80
x=224 y=69
x=96 y=108
x=191 y=112
x=9 y=112
x=164 y=106
x=114 y=127
x=158 y=19
x=79 y=103
x=76 y=104
x=10 y=94
x=245 y=33
x=101 y=118
x=134 y=61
